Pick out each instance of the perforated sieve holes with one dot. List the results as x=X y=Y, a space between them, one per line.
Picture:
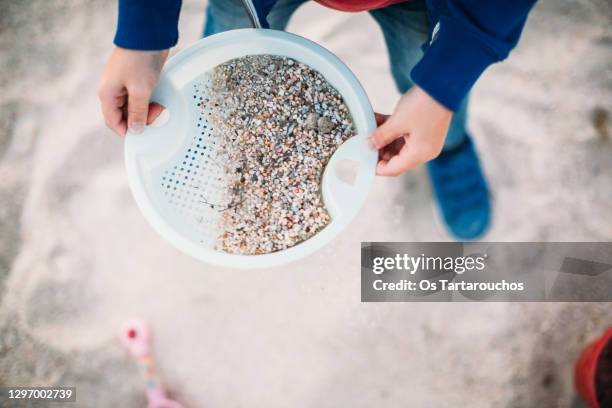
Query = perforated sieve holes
x=193 y=184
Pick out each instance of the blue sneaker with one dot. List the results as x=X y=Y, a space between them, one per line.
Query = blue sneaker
x=461 y=191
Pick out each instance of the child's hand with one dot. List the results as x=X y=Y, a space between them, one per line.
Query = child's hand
x=412 y=135
x=125 y=88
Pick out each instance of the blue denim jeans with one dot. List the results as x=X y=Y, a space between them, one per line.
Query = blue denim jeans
x=405 y=27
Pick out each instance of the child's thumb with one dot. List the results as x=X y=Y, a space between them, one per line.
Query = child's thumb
x=385 y=134
x=138 y=109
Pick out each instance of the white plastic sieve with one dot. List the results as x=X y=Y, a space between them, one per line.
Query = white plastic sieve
x=172 y=171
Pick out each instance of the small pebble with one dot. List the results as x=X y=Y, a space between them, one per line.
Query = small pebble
x=325 y=125
x=311 y=120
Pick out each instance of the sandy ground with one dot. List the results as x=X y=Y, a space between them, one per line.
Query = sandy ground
x=77 y=258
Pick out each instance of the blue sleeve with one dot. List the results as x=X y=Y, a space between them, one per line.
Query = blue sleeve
x=147 y=24
x=471 y=35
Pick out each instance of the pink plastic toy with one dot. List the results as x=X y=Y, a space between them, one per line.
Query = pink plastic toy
x=136 y=337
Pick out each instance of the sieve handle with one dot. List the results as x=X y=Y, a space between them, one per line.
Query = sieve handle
x=252 y=12
x=341 y=196
x=154 y=135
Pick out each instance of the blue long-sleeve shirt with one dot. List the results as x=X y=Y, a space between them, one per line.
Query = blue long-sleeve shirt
x=467 y=36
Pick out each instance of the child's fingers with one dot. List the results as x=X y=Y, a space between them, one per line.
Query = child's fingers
x=405 y=160
x=138 y=109
x=392 y=148
x=112 y=111
x=155 y=109
x=385 y=134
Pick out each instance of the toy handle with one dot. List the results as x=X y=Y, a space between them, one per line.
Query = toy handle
x=157 y=399
x=341 y=196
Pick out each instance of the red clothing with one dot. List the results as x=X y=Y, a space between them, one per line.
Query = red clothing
x=357 y=5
